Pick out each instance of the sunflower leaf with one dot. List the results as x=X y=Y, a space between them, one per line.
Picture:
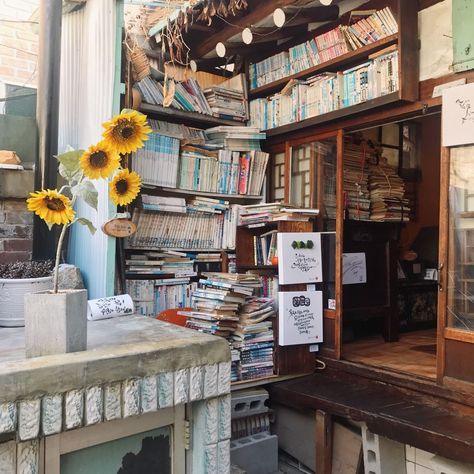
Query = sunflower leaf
x=86 y=190
x=88 y=223
x=69 y=167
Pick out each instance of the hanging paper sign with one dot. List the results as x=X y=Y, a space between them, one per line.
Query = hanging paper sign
x=119 y=228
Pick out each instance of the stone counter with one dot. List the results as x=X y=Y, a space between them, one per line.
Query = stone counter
x=133 y=366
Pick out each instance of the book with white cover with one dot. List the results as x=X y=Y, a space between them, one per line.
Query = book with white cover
x=300 y=317
x=299 y=257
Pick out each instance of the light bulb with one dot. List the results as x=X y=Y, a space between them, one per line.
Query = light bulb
x=279 y=17
x=193 y=65
x=247 y=36
x=325 y=2
x=220 y=49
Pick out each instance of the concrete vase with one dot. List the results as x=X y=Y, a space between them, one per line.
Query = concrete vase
x=55 y=323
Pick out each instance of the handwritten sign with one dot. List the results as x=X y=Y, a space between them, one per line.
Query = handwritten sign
x=119 y=228
x=300 y=316
x=299 y=257
x=109 y=307
x=354 y=269
x=458 y=115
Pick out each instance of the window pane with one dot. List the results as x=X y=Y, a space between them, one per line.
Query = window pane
x=460 y=310
x=278 y=177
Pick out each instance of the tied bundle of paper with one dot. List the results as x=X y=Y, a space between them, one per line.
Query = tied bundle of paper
x=387 y=194
x=356 y=180
x=254 y=338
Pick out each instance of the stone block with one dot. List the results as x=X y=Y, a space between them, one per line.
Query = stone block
x=210 y=380
x=223 y=457
x=257 y=454
x=131 y=398
x=28 y=457
x=52 y=414
x=210 y=459
x=223 y=381
x=70 y=278
x=113 y=401
x=224 y=426
x=29 y=419
x=149 y=394
x=196 y=383
x=16 y=184
x=181 y=386
x=8 y=457
x=73 y=409
x=94 y=409
x=165 y=390
x=206 y=416
x=55 y=323
x=7 y=417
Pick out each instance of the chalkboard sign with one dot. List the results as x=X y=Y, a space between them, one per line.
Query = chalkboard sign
x=299 y=257
x=300 y=316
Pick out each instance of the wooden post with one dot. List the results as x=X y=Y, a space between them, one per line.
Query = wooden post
x=323 y=442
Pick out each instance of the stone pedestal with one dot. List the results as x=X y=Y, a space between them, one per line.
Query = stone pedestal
x=55 y=323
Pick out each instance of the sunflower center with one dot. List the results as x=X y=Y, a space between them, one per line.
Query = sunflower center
x=98 y=159
x=124 y=130
x=55 y=204
x=121 y=186
x=127 y=132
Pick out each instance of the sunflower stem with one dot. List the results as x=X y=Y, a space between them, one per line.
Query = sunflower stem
x=58 y=256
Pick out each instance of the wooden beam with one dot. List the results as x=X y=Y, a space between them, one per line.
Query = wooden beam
x=312 y=14
x=323 y=442
x=257 y=11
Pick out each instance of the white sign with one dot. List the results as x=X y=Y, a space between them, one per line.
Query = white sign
x=458 y=115
x=354 y=269
x=299 y=257
x=300 y=317
x=110 y=307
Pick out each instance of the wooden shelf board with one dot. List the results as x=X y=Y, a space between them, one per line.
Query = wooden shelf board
x=334 y=115
x=334 y=64
x=243 y=384
x=182 y=116
x=258 y=267
x=230 y=197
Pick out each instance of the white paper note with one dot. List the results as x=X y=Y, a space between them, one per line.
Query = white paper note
x=110 y=307
x=354 y=269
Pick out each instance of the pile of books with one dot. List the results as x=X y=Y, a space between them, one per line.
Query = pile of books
x=387 y=194
x=177 y=264
x=157 y=162
x=257 y=215
x=191 y=231
x=177 y=130
x=204 y=204
x=222 y=171
x=254 y=338
x=327 y=92
x=150 y=297
x=356 y=178
x=373 y=26
x=226 y=103
x=163 y=203
x=235 y=138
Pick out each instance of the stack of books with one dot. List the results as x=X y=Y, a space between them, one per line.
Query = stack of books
x=177 y=130
x=226 y=103
x=254 y=338
x=257 y=215
x=387 y=195
x=177 y=264
x=204 y=204
x=373 y=26
x=235 y=138
x=327 y=92
x=157 y=162
x=356 y=178
x=163 y=203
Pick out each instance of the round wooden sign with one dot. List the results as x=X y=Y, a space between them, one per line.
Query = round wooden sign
x=119 y=228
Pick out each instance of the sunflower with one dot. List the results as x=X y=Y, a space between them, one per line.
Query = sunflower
x=52 y=207
x=125 y=187
x=99 y=161
x=126 y=132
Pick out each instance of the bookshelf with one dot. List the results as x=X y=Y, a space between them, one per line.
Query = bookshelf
x=407 y=45
x=187 y=192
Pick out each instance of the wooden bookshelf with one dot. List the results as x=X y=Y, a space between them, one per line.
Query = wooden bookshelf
x=336 y=64
x=194 y=119
x=190 y=192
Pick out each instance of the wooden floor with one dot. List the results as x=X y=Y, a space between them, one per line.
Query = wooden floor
x=414 y=353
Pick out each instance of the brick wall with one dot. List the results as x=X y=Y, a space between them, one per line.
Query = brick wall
x=16 y=222
x=18 y=43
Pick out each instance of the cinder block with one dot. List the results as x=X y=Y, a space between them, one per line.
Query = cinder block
x=256 y=454
x=249 y=402
x=446 y=466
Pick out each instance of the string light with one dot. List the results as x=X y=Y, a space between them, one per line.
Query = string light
x=247 y=36
x=193 y=65
x=325 y=2
x=279 y=17
x=220 y=49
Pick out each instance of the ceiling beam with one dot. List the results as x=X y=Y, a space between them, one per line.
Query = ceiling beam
x=312 y=14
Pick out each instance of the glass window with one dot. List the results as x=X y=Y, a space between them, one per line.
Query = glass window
x=278 y=177
x=460 y=285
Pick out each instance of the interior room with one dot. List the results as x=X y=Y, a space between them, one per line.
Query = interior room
x=390 y=321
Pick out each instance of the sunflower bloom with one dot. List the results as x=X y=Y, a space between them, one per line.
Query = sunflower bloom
x=52 y=207
x=99 y=161
x=126 y=132
x=125 y=187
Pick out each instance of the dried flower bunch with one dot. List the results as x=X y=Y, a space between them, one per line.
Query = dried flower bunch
x=124 y=134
